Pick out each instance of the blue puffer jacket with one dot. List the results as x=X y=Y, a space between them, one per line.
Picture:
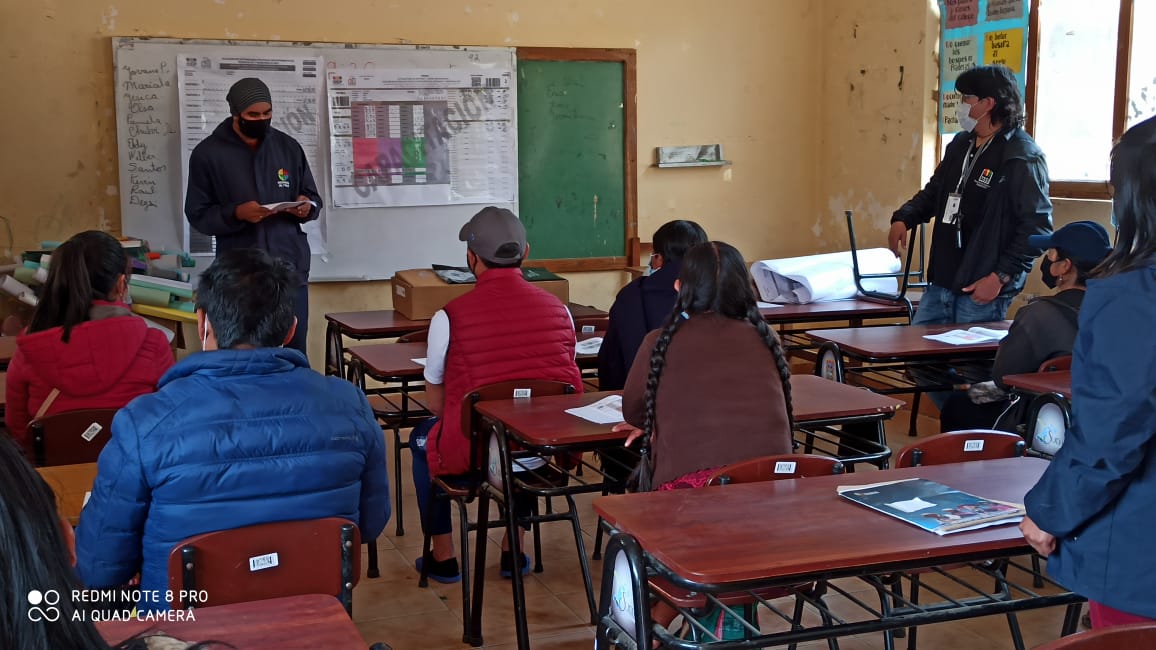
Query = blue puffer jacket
x=1098 y=497
x=231 y=438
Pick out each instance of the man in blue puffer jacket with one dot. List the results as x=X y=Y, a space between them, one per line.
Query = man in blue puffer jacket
x=241 y=434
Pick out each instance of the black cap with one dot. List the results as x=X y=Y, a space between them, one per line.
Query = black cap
x=1086 y=243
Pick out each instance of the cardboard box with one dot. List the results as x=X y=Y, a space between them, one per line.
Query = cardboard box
x=419 y=293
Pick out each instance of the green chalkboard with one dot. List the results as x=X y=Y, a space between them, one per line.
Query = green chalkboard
x=572 y=159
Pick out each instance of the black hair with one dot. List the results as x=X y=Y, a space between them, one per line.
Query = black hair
x=1083 y=269
x=999 y=83
x=248 y=296
x=713 y=278
x=511 y=248
x=36 y=558
x=674 y=238
x=82 y=269
x=1133 y=178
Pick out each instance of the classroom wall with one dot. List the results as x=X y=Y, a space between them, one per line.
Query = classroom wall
x=735 y=72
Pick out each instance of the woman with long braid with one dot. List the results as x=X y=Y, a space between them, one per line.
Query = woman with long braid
x=712 y=386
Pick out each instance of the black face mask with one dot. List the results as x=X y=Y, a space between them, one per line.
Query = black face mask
x=255 y=129
x=1046 y=273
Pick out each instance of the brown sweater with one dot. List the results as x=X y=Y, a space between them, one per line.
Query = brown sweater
x=720 y=399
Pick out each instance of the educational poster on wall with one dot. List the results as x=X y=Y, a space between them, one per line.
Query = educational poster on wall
x=421 y=137
x=295 y=84
x=974 y=33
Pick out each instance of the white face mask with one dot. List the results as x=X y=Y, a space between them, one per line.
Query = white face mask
x=963 y=114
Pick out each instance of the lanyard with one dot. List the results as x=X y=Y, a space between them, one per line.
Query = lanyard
x=969 y=162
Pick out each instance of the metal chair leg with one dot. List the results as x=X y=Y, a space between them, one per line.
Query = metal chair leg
x=399 y=511
x=598 y=538
x=581 y=545
x=474 y=631
x=913 y=631
x=426 y=558
x=464 y=528
x=912 y=427
x=537 y=539
x=1037 y=579
x=372 y=571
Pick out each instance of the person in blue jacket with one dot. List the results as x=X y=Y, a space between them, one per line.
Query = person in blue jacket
x=245 y=164
x=244 y=433
x=1093 y=509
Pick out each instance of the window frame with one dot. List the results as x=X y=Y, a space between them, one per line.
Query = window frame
x=1083 y=189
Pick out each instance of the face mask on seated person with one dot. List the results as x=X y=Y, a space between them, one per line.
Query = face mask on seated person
x=1046 y=273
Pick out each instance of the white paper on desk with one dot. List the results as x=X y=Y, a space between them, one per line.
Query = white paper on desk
x=970 y=336
x=820 y=278
x=419 y=361
x=590 y=346
x=767 y=305
x=607 y=410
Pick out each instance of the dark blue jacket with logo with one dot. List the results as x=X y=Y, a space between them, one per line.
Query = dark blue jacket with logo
x=639 y=307
x=1098 y=497
x=224 y=172
x=231 y=438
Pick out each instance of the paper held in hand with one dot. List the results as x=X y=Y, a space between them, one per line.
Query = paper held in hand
x=607 y=410
x=286 y=205
x=933 y=506
x=970 y=336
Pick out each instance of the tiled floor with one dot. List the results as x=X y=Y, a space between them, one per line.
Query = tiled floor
x=395 y=610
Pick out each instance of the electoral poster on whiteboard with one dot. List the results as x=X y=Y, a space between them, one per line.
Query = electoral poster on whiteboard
x=404 y=137
x=295 y=84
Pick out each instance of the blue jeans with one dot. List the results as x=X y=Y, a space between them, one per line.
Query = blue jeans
x=435 y=512
x=939 y=306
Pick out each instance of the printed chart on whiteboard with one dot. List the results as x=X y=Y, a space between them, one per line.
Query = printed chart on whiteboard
x=294 y=83
x=421 y=137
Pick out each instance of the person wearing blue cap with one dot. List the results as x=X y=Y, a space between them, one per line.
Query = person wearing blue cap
x=1043 y=329
x=1091 y=512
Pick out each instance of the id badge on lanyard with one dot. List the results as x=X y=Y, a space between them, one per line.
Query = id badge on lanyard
x=951 y=214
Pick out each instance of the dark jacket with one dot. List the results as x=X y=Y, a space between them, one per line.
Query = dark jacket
x=231 y=438
x=639 y=307
x=224 y=172
x=1098 y=496
x=1043 y=329
x=1016 y=207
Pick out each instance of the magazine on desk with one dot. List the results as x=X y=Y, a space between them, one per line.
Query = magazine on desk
x=933 y=506
x=969 y=336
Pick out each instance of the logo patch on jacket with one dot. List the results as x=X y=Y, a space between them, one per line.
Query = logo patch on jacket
x=984 y=178
x=283 y=178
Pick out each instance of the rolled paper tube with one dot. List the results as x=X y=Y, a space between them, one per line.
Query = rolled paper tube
x=149 y=296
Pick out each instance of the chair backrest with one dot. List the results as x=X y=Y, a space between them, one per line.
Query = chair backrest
x=70 y=437
x=961 y=446
x=775 y=468
x=1049 y=419
x=420 y=336
x=471 y=421
x=1057 y=363
x=286 y=558
x=1136 y=635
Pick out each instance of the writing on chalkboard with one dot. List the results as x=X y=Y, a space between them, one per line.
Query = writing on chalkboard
x=146 y=125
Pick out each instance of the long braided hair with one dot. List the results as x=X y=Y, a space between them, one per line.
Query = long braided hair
x=713 y=278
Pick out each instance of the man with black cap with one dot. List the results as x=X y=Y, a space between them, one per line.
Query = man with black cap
x=987 y=196
x=504 y=329
x=1043 y=329
x=244 y=164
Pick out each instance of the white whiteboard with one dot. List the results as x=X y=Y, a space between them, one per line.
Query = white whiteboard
x=362 y=243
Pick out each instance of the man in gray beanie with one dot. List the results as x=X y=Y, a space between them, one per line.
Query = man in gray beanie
x=244 y=165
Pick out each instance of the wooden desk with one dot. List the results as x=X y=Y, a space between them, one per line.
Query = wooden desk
x=70 y=483
x=313 y=621
x=823 y=410
x=1039 y=383
x=903 y=342
x=724 y=539
x=7 y=350
x=854 y=310
x=390 y=361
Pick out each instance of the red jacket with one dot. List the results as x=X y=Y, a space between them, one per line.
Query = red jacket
x=505 y=329
x=105 y=364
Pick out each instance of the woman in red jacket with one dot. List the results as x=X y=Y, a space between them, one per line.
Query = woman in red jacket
x=84 y=348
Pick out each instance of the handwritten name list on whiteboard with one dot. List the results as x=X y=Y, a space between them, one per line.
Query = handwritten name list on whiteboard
x=149 y=129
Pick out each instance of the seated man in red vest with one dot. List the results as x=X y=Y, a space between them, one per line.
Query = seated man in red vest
x=502 y=330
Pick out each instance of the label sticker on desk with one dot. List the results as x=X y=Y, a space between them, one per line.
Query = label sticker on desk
x=91 y=431
x=973 y=445
x=521 y=393
x=261 y=562
x=785 y=467
x=587 y=329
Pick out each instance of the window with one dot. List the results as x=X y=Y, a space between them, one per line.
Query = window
x=1088 y=81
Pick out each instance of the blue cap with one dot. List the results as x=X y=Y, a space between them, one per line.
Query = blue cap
x=1084 y=242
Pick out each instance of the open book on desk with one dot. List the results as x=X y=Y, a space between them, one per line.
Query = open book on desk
x=969 y=336
x=933 y=506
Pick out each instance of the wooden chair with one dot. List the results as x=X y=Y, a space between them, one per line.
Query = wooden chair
x=1136 y=635
x=464 y=488
x=70 y=437
x=765 y=468
x=287 y=558
x=1057 y=363
x=960 y=447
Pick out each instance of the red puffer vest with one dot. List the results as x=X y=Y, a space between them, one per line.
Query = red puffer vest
x=505 y=329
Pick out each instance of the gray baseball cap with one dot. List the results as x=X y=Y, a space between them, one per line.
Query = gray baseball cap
x=492 y=229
